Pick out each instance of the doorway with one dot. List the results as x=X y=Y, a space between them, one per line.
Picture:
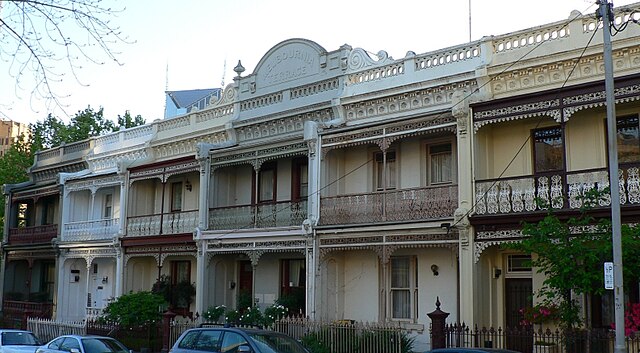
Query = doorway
x=518 y=295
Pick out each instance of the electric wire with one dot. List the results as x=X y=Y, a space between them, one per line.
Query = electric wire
x=508 y=67
x=526 y=141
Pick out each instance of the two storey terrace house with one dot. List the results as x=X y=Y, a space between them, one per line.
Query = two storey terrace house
x=539 y=133
x=33 y=214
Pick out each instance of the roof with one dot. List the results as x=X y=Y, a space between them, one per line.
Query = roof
x=185 y=98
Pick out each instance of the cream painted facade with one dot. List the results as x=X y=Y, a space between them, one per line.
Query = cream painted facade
x=353 y=187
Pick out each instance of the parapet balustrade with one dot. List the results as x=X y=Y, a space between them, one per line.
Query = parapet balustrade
x=267 y=215
x=91 y=230
x=559 y=190
x=33 y=234
x=426 y=203
x=163 y=224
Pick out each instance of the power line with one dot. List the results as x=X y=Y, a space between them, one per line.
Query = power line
x=508 y=67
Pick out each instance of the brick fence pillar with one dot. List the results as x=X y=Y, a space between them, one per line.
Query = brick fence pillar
x=438 y=317
x=167 y=317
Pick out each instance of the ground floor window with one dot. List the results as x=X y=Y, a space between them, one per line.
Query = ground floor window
x=404 y=290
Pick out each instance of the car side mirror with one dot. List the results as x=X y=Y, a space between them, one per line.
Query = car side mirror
x=74 y=350
x=244 y=349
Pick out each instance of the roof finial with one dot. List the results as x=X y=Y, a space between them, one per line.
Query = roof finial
x=239 y=69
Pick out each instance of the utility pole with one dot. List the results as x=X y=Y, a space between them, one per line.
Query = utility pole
x=605 y=12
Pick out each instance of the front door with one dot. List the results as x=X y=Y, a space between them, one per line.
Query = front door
x=518 y=295
x=245 y=285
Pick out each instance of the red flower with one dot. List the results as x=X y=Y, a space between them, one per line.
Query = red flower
x=631 y=319
x=539 y=314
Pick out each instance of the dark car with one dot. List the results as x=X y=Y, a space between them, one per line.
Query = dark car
x=83 y=344
x=470 y=350
x=235 y=340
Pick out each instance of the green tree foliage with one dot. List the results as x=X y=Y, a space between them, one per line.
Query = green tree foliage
x=13 y=166
x=52 y=132
x=134 y=309
x=570 y=253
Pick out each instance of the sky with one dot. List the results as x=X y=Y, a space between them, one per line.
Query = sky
x=193 y=44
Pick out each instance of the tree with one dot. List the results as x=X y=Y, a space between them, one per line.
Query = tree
x=570 y=253
x=52 y=132
x=46 y=40
x=14 y=164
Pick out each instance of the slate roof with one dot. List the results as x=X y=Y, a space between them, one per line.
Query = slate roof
x=185 y=98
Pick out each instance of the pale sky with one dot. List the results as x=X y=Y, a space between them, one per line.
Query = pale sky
x=194 y=38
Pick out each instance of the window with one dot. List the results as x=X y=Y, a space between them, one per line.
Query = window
x=548 y=149
x=267 y=183
x=48 y=210
x=440 y=163
x=518 y=263
x=390 y=171
x=107 y=206
x=628 y=138
x=180 y=271
x=231 y=341
x=300 y=179
x=47 y=278
x=404 y=291
x=176 y=197
x=23 y=215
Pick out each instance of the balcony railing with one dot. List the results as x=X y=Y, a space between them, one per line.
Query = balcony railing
x=101 y=229
x=279 y=214
x=559 y=190
x=416 y=204
x=33 y=234
x=163 y=224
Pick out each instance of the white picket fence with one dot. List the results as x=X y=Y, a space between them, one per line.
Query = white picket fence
x=46 y=329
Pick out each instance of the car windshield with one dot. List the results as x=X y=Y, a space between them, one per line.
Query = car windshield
x=19 y=339
x=103 y=345
x=270 y=342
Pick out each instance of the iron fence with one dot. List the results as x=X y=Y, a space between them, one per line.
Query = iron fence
x=526 y=339
x=347 y=336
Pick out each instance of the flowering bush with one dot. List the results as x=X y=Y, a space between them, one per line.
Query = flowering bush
x=253 y=316
x=631 y=319
x=539 y=314
x=213 y=313
x=273 y=313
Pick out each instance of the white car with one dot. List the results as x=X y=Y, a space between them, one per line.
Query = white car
x=83 y=344
x=18 y=341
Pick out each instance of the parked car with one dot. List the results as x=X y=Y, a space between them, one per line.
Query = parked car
x=18 y=341
x=83 y=344
x=470 y=350
x=235 y=340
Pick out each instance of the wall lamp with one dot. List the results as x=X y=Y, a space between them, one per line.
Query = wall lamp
x=188 y=186
x=496 y=272
x=434 y=269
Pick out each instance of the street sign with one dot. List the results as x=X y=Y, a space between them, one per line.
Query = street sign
x=608 y=275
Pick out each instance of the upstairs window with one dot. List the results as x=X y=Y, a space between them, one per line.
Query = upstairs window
x=628 y=139
x=390 y=171
x=176 y=197
x=300 y=179
x=267 y=183
x=440 y=163
x=107 y=208
x=548 y=149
